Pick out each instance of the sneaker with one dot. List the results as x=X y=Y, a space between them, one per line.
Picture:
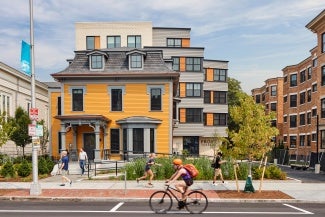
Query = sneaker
x=62 y=185
x=223 y=182
x=137 y=180
x=181 y=204
x=70 y=183
x=150 y=184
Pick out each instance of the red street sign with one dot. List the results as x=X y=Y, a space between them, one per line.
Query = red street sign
x=33 y=113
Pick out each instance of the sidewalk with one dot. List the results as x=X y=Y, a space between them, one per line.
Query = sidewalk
x=103 y=190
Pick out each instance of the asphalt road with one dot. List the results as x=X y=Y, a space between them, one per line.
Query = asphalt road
x=99 y=209
x=306 y=176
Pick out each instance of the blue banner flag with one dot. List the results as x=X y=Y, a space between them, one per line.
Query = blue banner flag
x=25 y=58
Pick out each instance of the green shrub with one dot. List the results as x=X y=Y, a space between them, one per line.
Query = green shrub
x=257 y=172
x=276 y=172
x=8 y=170
x=42 y=166
x=24 y=168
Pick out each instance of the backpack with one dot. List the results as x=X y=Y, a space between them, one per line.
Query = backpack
x=191 y=169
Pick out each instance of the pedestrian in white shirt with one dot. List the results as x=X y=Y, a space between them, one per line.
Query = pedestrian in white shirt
x=82 y=160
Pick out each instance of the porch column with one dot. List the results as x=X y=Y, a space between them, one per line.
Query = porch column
x=146 y=141
x=105 y=137
x=63 y=132
x=97 y=150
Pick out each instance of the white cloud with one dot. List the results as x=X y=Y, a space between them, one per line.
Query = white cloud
x=258 y=37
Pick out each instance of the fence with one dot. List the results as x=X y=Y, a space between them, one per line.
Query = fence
x=298 y=158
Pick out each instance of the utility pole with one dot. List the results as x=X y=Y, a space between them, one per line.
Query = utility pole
x=35 y=188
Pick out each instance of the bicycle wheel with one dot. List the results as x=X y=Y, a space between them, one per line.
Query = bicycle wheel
x=160 y=202
x=196 y=202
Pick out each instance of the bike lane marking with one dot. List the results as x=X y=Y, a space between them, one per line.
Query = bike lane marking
x=296 y=208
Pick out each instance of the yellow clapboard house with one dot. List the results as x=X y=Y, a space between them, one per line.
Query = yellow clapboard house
x=113 y=103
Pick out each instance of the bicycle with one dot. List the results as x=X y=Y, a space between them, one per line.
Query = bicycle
x=161 y=201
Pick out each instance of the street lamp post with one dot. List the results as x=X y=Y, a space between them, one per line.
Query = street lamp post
x=35 y=188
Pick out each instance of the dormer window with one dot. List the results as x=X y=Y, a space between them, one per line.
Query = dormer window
x=97 y=60
x=136 y=59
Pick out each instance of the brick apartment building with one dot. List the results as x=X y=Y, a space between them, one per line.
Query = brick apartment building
x=302 y=106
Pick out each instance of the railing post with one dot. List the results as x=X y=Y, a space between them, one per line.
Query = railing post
x=115 y=168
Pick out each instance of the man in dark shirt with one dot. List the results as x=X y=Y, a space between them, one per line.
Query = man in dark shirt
x=217 y=168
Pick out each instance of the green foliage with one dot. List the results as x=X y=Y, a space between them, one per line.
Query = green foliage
x=271 y=172
x=253 y=139
x=24 y=169
x=8 y=170
x=135 y=169
x=20 y=133
x=49 y=163
x=42 y=166
x=4 y=158
x=276 y=172
x=6 y=129
x=243 y=171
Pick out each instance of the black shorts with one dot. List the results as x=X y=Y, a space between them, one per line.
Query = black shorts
x=188 y=182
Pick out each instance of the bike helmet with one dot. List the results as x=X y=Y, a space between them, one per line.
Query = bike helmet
x=177 y=161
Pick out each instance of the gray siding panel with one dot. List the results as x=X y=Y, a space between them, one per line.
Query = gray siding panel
x=214 y=108
x=191 y=77
x=215 y=86
x=211 y=131
x=159 y=36
x=215 y=64
x=191 y=103
x=189 y=130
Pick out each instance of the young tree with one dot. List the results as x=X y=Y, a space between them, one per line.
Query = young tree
x=254 y=137
x=6 y=129
x=20 y=134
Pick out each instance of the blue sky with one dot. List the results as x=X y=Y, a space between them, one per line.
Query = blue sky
x=258 y=37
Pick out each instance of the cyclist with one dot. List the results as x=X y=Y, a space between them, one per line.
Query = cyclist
x=181 y=185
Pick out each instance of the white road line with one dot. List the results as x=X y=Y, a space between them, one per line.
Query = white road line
x=296 y=208
x=115 y=208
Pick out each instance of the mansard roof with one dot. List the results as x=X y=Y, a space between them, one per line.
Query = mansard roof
x=117 y=64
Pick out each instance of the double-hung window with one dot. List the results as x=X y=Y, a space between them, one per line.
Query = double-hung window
x=220 y=119
x=155 y=99
x=220 y=75
x=134 y=41
x=136 y=61
x=92 y=42
x=115 y=141
x=193 y=89
x=113 y=41
x=323 y=43
x=193 y=115
x=323 y=76
x=174 y=42
x=77 y=99
x=176 y=64
x=193 y=64
x=322 y=103
x=273 y=90
x=220 y=97
x=5 y=104
x=96 y=61
x=293 y=80
x=207 y=97
x=116 y=99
